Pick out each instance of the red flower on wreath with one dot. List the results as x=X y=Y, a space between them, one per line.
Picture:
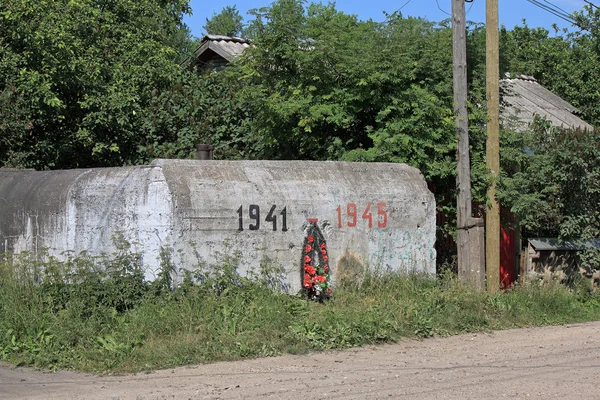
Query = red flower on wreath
x=308 y=248
x=309 y=269
x=325 y=258
x=319 y=279
x=323 y=246
x=307 y=259
x=326 y=268
x=310 y=239
x=307 y=282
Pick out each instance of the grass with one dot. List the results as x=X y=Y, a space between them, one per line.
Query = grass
x=98 y=314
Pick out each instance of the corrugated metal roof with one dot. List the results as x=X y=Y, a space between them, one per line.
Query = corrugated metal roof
x=228 y=47
x=523 y=98
x=555 y=244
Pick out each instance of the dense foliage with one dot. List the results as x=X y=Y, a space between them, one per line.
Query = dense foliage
x=98 y=83
x=554 y=188
x=76 y=77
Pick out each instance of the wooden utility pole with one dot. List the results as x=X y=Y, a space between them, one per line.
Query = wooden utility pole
x=470 y=233
x=492 y=236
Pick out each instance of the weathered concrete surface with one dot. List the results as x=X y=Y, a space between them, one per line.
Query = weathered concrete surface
x=371 y=214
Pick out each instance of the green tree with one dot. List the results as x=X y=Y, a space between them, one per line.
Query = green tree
x=76 y=78
x=228 y=22
x=329 y=86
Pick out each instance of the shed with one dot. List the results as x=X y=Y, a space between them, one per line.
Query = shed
x=551 y=255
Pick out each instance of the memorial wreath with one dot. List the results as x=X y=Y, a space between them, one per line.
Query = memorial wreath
x=315 y=262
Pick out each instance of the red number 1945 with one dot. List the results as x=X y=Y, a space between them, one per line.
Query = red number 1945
x=352 y=213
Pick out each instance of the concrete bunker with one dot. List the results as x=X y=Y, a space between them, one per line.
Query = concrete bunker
x=380 y=213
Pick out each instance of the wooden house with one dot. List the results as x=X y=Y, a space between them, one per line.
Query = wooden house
x=216 y=51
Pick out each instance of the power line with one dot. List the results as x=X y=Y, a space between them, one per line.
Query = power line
x=591 y=4
x=554 y=11
x=471 y=6
x=555 y=6
x=561 y=14
x=438 y=5
x=405 y=4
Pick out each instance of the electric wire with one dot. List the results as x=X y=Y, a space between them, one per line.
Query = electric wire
x=404 y=5
x=471 y=6
x=557 y=12
x=438 y=5
x=555 y=6
x=553 y=11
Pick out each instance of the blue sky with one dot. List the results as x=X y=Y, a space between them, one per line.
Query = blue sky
x=511 y=11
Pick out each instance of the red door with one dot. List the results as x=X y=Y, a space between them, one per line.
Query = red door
x=508 y=270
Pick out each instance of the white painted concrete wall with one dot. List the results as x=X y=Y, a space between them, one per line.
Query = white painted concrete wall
x=194 y=207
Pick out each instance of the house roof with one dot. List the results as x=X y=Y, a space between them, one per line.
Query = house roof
x=523 y=98
x=554 y=244
x=228 y=47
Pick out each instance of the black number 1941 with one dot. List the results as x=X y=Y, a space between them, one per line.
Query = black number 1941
x=254 y=216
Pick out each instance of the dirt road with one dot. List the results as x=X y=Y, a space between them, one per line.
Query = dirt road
x=551 y=362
